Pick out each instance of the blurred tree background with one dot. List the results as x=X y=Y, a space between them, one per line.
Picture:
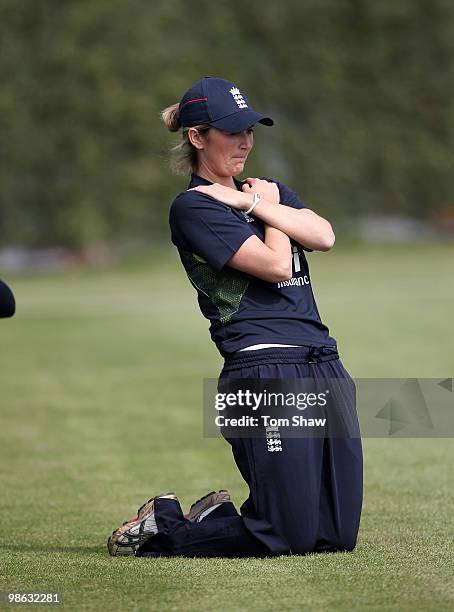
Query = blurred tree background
x=361 y=92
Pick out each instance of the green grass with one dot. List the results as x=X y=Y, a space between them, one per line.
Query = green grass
x=101 y=392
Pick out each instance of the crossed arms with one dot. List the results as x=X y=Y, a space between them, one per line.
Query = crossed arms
x=271 y=260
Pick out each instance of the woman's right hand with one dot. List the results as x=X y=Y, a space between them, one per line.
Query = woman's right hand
x=269 y=191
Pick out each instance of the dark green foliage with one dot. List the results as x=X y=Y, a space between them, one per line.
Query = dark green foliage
x=361 y=92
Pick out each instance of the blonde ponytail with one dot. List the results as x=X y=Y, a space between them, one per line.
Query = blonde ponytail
x=171 y=117
x=184 y=154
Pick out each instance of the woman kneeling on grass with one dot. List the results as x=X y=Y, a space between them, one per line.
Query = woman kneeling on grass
x=242 y=245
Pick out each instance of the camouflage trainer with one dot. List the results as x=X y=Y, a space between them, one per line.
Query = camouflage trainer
x=206 y=504
x=125 y=540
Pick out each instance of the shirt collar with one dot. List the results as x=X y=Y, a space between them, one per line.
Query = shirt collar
x=197 y=180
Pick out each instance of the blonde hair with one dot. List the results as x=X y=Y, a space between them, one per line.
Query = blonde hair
x=184 y=154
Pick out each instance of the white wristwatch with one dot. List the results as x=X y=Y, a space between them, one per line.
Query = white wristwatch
x=255 y=201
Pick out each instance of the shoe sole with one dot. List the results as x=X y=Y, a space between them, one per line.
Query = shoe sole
x=207 y=504
x=125 y=540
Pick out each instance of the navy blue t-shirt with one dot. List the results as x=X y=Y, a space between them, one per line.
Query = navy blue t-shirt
x=243 y=310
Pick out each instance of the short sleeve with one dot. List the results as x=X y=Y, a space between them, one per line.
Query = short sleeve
x=206 y=227
x=290 y=198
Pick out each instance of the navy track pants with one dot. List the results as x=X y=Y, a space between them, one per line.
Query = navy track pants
x=307 y=498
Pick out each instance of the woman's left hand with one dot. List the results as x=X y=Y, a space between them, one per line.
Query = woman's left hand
x=231 y=197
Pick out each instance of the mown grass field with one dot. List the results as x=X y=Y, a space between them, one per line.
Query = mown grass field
x=101 y=392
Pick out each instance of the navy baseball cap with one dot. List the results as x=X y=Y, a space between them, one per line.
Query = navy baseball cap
x=219 y=103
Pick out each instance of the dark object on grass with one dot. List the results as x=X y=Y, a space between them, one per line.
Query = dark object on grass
x=7 y=301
